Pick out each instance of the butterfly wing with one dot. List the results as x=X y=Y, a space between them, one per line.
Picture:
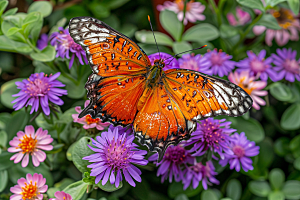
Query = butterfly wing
x=119 y=66
x=202 y=96
x=183 y=97
x=161 y=121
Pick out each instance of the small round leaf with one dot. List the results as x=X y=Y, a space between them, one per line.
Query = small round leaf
x=260 y=188
x=276 y=178
x=290 y=119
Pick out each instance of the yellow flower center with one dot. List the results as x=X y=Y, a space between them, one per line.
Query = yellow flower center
x=180 y=4
x=245 y=86
x=284 y=17
x=29 y=191
x=90 y=120
x=27 y=144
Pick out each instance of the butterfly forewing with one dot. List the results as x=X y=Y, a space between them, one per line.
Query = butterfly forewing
x=205 y=96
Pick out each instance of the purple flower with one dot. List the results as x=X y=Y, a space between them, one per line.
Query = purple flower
x=217 y=63
x=128 y=130
x=286 y=64
x=242 y=149
x=64 y=45
x=169 y=64
x=39 y=89
x=258 y=65
x=200 y=172
x=42 y=42
x=115 y=153
x=30 y=143
x=193 y=62
x=173 y=163
x=211 y=134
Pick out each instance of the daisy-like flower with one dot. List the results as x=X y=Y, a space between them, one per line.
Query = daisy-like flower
x=286 y=64
x=87 y=121
x=217 y=63
x=116 y=153
x=212 y=134
x=60 y=195
x=290 y=28
x=42 y=42
x=242 y=149
x=173 y=163
x=193 y=62
x=128 y=130
x=258 y=66
x=170 y=63
x=193 y=12
x=65 y=45
x=30 y=188
x=253 y=88
x=30 y=143
x=241 y=18
x=38 y=90
x=200 y=172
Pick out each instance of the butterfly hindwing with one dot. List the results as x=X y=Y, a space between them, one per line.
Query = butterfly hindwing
x=205 y=96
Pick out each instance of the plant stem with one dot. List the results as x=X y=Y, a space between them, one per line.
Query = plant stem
x=216 y=9
x=243 y=35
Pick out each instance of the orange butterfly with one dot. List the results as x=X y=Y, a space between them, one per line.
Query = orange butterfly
x=163 y=106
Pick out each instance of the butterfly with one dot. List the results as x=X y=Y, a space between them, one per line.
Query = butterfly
x=163 y=106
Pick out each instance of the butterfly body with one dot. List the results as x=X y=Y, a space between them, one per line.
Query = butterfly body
x=163 y=106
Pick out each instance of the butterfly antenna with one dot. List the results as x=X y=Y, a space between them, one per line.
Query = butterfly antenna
x=183 y=52
x=153 y=35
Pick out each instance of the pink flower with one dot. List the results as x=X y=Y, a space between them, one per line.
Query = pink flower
x=290 y=28
x=241 y=18
x=30 y=188
x=193 y=12
x=87 y=121
x=253 y=88
x=61 y=196
x=30 y=143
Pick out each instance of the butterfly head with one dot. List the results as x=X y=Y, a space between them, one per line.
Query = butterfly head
x=159 y=63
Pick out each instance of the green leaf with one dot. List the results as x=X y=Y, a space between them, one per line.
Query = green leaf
x=294 y=5
x=31 y=22
x=147 y=37
x=297 y=163
x=266 y=153
x=46 y=55
x=179 y=47
x=15 y=22
x=277 y=195
x=282 y=146
x=60 y=23
x=44 y=7
x=9 y=45
x=181 y=197
x=10 y=12
x=3 y=5
x=227 y=31
x=290 y=119
x=51 y=192
x=16 y=123
x=4 y=118
x=208 y=194
x=3 y=179
x=3 y=138
x=109 y=187
x=276 y=178
x=176 y=188
x=234 y=189
x=70 y=152
x=281 y=91
x=294 y=146
x=81 y=150
x=77 y=189
x=260 y=188
x=291 y=189
x=170 y=23
x=5 y=160
x=254 y=4
x=273 y=3
x=269 y=21
x=201 y=33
